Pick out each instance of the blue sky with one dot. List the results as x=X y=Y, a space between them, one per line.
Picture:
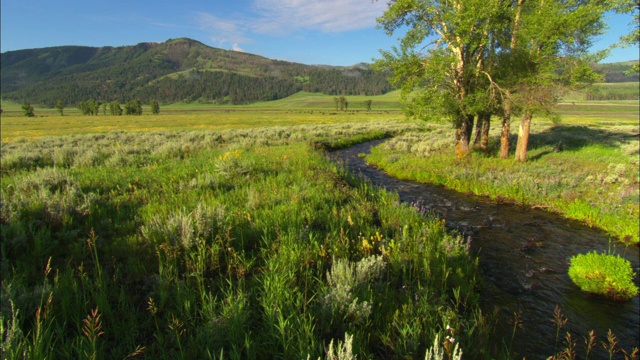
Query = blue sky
x=334 y=32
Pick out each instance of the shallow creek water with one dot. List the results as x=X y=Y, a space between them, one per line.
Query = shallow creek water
x=524 y=257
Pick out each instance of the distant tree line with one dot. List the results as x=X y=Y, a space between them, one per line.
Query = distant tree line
x=225 y=87
x=92 y=107
x=336 y=82
x=216 y=86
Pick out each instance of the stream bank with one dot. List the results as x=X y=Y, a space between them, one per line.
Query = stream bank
x=524 y=257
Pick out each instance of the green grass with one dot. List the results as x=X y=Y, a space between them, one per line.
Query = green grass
x=386 y=102
x=628 y=91
x=603 y=274
x=221 y=244
x=14 y=128
x=593 y=179
x=216 y=232
x=594 y=112
x=299 y=109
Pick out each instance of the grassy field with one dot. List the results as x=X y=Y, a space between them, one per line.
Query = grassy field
x=299 y=109
x=607 y=92
x=223 y=232
x=222 y=244
x=30 y=128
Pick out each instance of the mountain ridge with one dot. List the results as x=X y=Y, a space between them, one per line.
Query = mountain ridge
x=180 y=69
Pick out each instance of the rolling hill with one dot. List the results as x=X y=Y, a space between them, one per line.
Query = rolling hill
x=617 y=72
x=178 y=70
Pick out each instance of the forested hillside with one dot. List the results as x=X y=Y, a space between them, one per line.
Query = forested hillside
x=173 y=71
x=618 y=72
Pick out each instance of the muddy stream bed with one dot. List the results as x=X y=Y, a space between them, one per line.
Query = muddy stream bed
x=524 y=256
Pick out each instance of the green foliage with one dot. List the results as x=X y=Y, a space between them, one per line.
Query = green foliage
x=133 y=107
x=155 y=107
x=115 y=109
x=27 y=110
x=618 y=72
x=60 y=107
x=450 y=350
x=342 y=351
x=613 y=91
x=603 y=274
x=341 y=103
x=489 y=57
x=90 y=107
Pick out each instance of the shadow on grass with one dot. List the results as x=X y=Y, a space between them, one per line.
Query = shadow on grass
x=567 y=138
x=37 y=235
x=573 y=138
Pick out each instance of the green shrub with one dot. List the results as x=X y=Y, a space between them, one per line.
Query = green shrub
x=603 y=274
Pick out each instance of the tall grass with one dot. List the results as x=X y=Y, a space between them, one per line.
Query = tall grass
x=589 y=173
x=233 y=244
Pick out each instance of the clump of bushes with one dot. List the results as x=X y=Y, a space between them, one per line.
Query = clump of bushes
x=603 y=274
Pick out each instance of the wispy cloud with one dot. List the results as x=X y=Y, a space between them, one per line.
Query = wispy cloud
x=222 y=31
x=323 y=15
x=284 y=17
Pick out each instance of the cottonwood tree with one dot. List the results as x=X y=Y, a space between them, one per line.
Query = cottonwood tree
x=462 y=58
x=89 y=107
x=155 y=107
x=115 y=109
x=27 y=110
x=83 y=107
x=548 y=51
x=442 y=57
x=133 y=107
x=60 y=107
x=341 y=103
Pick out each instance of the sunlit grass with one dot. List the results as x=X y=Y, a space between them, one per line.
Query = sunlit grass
x=589 y=173
x=54 y=125
x=220 y=232
x=217 y=244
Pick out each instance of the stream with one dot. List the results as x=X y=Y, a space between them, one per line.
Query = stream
x=524 y=256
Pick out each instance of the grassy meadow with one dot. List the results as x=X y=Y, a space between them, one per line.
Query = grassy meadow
x=617 y=91
x=299 y=109
x=224 y=232
x=221 y=244
x=586 y=171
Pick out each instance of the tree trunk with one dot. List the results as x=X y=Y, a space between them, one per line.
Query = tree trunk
x=506 y=130
x=486 y=125
x=523 y=136
x=478 y=134
x=506 y=116
x=464 y=137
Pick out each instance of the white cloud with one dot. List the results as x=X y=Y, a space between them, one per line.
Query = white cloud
x=222 y=31
x=235 y=47
x=324 y=15
x=284 y=17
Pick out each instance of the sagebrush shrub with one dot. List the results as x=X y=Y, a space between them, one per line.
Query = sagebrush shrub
x=348 y=283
